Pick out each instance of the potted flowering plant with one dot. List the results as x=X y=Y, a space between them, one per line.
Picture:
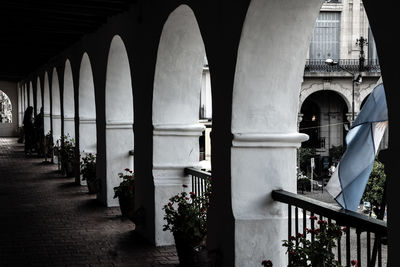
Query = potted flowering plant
x=88 y=172
x=186 y=218
x=125 y=193
x=67 y=154
x=317 y=253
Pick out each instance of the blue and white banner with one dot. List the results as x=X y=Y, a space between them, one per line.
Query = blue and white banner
x=347 y=183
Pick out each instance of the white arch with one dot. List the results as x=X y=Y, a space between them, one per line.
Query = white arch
x=87 y=108
x=20 y=104
x=119 y=117
x=69 y=103
x=55 y=106
x=31 y=99
x=270 y=65
x=26 y=100
x=176 y=102
x=38 y=95
x=344 y=93
x=46 y=104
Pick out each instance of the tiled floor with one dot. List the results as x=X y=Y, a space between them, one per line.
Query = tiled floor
x=47 y=220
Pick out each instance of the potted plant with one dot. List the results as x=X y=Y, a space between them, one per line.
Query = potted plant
x=318 y=253
x=67 y=154
x=49 y=145
x=186 y=218
x=125 y=193
x=88 y=172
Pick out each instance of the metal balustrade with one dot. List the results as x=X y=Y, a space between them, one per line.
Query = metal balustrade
x=359 y=222
x=353 y=65
x=199 y=180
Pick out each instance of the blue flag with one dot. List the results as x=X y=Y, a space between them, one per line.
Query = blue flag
x=347 y=183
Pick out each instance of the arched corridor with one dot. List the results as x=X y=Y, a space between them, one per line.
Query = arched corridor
x=127 y=80
x=54 y=222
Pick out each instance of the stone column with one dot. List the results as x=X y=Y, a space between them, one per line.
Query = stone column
x=69 y=126
x=259 y=165
x=175 y=147
x=119 y=141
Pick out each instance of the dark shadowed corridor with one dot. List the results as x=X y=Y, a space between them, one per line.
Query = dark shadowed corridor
x=48 y=220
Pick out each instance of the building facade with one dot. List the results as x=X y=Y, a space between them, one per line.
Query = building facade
x=327 y=101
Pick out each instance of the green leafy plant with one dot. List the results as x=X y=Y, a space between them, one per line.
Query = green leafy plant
x=88 y=167
x=67 y=149
x=49 y=145
x=127 y=186
x=373 y=192
x=186 y=215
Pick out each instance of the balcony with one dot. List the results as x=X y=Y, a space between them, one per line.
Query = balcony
x=319 y=66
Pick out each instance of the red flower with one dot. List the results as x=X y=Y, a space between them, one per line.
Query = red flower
x=185 y=186
x=300 y=235
x=354 y=263
x=292 y=238
x=127 y=169
x=313 y=218
x=344 y=229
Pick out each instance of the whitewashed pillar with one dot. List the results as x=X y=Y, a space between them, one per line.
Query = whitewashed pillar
x=175 y=147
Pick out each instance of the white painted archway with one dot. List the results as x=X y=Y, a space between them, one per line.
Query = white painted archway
x=55 y=107
x=69 y=103
x=176 y=101
x=38 y=95
x=25 y=93
x=31 y=98
x=20 y=104
x=46 y=104
x=119 y=118
x=269 y=71
x=87 y=109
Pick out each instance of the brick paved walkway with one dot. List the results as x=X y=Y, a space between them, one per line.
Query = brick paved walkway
x=47 y=220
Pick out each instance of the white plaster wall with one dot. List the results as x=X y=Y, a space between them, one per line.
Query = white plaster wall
x=176 y=100
x=272 y=51
x=87 y=108
x=11 y=90
x=69 y=103
x=20 y=104
x=119 y=117
x=26 y=100
x=56 y=107
x=177 y=81
x=31 y=98
x=38 y=95
x=46 y=104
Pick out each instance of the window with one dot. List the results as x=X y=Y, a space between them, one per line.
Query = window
x=325 y=42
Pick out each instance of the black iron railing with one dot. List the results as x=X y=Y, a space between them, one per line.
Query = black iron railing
x=353 y=65
x=349 y=219
x=199 y=180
